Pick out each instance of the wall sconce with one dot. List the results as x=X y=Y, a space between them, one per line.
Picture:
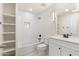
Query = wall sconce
x=53 y=16
x=27 y=24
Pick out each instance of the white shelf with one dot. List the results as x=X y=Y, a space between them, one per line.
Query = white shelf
x=8 y=50
x=9 y=41
x=8 y=32
x=8 y=27
x=8 y=24
x=6 y=14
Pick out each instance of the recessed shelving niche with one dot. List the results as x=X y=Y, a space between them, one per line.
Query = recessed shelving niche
x=9 y=26
x=9 y=19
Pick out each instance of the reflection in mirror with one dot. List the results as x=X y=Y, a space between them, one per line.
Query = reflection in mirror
x=68 y=24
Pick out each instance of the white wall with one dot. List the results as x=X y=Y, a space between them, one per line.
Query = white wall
x=46 y=26
x=25 y=35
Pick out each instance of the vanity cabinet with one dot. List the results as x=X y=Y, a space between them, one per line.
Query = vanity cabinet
x=62 y=48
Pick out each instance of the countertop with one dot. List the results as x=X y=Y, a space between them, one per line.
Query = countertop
x=71 y=39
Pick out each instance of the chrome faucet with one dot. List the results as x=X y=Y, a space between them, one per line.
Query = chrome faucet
x=66 y=35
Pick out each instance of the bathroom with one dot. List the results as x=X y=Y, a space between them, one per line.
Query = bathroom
x=40 y=29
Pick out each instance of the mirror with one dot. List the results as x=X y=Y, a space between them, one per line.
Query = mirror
x=68 y=24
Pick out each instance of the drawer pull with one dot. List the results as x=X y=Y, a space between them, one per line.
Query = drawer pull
x=70 y=54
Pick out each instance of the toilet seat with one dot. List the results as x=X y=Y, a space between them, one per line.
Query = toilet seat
x=42 y=45
x=42 y=49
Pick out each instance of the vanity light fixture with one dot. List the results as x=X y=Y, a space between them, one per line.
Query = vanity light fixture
x=53 y=14
x=53 y=17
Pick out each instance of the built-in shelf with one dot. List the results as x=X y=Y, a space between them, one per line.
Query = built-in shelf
x=9 y=53
x=7 y=14
x=9 y=33
x=8 y=24
x=8 y=50
x=9 y=41
x=8 y=28
x=8 y=19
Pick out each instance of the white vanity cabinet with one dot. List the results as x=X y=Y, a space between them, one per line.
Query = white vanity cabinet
x=62 y=48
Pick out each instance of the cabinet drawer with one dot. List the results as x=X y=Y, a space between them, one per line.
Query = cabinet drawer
x=69 y=52
x=66 y=44
x=73 y=53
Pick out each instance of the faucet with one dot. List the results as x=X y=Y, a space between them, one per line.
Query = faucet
x=67 y=35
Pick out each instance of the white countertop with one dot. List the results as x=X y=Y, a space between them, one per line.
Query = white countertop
x=70 y=39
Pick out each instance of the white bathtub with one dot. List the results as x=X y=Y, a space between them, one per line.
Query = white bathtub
x=28 y=50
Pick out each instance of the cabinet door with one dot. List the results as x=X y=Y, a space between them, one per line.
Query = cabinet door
x=73 y=53
x=54 y=50
x=65 y=51
x=69 y=52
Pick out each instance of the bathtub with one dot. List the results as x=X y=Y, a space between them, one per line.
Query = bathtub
x=29 y=50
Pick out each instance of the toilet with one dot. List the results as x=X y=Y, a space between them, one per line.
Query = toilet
x=42 y=49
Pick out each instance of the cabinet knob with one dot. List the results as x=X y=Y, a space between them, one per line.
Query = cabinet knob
x=59 y=48
x=70 y=54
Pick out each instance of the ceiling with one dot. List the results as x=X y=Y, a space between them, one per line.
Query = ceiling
x=36 y=7
x=39 y=7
